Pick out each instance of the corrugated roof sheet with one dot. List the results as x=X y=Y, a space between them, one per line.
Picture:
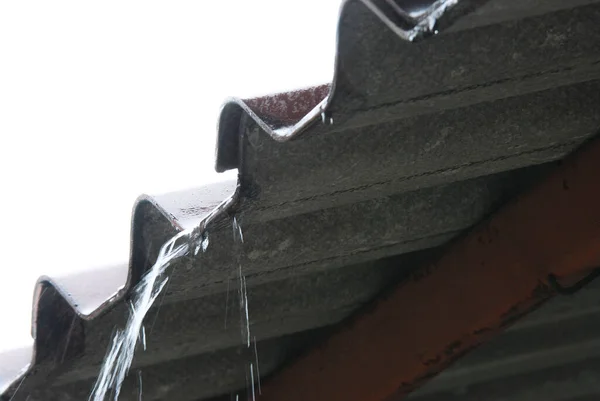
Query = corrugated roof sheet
x=344 y=188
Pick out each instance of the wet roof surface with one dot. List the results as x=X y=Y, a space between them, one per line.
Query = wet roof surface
x=342 y=190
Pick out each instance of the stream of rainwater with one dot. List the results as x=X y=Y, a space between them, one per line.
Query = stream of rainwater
x=122 y=349
x=119 y=356
x=252 y=370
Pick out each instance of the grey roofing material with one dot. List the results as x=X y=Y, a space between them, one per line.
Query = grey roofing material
x=342 y=190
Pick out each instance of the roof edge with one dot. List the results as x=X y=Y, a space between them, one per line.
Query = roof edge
x=315 y=102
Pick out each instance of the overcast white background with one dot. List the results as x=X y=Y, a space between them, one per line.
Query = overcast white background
x=103 y=101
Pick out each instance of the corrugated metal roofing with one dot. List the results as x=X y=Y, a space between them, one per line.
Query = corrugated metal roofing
x=342 y=190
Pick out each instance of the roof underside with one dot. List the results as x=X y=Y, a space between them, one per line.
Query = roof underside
x=345 y=188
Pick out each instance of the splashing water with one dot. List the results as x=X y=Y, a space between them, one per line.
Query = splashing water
x=120 y=354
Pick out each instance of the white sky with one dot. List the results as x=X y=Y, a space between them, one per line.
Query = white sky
x=103 y=101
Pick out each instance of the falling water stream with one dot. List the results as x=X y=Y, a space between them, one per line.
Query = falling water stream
x=119 y=356
x=253 y=373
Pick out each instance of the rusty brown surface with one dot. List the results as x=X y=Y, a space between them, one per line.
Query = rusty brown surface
x=482 y=283
x=288 y=108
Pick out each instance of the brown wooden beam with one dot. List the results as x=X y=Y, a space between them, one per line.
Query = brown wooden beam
x=483 y=282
